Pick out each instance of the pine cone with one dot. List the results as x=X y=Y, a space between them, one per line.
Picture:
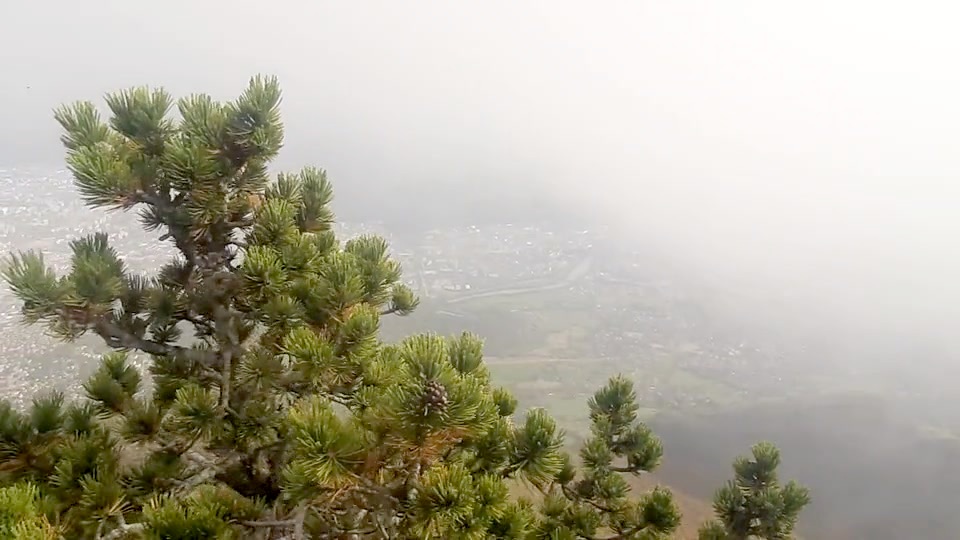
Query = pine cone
x=434 y=396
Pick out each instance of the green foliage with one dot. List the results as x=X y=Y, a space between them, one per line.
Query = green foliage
x=21 y=517
x=754 y=504
x=283 y=414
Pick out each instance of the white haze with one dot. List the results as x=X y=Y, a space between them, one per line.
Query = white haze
x=803 y=151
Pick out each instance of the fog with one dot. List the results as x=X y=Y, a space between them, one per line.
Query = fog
x=796 y=160
x=805 y=153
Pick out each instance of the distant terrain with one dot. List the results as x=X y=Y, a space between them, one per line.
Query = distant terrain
x=562 y=307
x=873 y=473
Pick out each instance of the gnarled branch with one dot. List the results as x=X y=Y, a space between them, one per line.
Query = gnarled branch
x=120 y=338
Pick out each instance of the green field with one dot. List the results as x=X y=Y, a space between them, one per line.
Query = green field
x=554 y=348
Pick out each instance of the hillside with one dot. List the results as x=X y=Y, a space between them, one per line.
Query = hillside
x=699 y=379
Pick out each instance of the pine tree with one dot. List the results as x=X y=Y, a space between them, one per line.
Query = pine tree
x=272 y=408
x=754 y=504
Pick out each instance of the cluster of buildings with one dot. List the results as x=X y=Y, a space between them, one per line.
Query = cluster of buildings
x=475 y=258
x=634 y=315
x=638 y=314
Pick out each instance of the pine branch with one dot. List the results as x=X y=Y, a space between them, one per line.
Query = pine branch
x=295 y=523
x=225 y=376
x=622 y=536
x=354 y=533
x=201 y=477
x=166 y=207
x=574 y=497
x=179 y=449
x=123 y=530
x=280 y=524
x=197 y=322
x=119 y=338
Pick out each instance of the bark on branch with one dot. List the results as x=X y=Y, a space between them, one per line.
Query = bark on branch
x=123 y=530
x=120 y=338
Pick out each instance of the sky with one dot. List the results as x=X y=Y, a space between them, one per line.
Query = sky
x=798 y=150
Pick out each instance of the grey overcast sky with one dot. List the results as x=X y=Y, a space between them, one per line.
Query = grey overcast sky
x=809 y=148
